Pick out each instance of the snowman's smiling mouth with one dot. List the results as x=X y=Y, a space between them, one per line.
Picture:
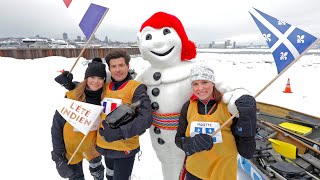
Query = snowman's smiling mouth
x=163 y=54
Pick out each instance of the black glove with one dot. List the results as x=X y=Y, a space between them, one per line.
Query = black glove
x=247 y=122
x=65 y=79
x=110 y=134
x=198 y=143
x=62 y=166
x=122 y=114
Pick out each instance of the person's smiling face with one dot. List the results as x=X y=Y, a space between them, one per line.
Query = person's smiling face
x=118 y=69
x=203 y=89
x=94 y=83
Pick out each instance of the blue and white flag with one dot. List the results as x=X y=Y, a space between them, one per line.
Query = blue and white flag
x=88 y=13
x=286 y=42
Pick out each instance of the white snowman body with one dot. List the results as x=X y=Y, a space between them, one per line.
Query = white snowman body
x=169 y=88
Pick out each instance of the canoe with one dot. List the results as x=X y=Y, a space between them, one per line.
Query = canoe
x=292 y=128
x=277 y=115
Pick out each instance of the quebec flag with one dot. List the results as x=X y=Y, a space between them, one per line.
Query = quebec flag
x=286 y=42
x=88 y=13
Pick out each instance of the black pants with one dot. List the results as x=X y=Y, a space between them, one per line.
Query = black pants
x=189 y=176
x=121 y=168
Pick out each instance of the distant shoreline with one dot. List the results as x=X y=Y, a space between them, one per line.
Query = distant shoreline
x=249 y=51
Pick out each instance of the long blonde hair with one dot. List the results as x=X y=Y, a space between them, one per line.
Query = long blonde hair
x=79 y=94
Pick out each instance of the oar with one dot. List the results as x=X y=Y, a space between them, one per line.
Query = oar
x=300 y=136
x=290 y=137
x=285 y=149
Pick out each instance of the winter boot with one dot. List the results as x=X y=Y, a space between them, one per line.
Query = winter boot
x=97 y=173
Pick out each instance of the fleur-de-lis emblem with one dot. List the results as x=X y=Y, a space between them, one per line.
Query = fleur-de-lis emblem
x=300 y=39
x=283 y=55
x=281 y=23
x=267 y=37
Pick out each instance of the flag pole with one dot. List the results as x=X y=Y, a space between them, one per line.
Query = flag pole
x=84 y=47
x=266 y=86
x=82 y=142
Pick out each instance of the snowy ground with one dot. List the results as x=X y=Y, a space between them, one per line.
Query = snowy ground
x=29 y=95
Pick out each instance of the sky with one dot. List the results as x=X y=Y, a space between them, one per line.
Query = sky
x=204 y=20
x=29 y=96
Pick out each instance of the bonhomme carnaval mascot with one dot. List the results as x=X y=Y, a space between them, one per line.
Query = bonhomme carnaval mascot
x=163 y=42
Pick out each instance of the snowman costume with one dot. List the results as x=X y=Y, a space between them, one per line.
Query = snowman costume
x=163 y=42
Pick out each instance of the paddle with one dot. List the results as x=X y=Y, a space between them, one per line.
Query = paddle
x=290 y=138
x=285 y=149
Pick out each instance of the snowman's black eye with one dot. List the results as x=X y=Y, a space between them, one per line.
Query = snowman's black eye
x=166 y=31
x=148 y=37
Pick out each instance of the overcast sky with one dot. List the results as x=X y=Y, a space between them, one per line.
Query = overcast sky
x=204 y=20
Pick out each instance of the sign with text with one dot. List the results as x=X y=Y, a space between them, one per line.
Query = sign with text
x=82 y=116
x=198 y=127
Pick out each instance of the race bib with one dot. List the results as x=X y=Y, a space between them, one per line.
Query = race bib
x=198 y=127
x=110 y=104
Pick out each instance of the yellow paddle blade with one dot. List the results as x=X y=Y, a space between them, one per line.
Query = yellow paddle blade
x=296 y=128
x=285 y=149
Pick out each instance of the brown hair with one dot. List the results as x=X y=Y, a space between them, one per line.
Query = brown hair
x=117 y=53
x=79 y=94
x=216 y=94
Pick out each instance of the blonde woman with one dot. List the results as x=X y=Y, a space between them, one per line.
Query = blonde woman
x=65 y=138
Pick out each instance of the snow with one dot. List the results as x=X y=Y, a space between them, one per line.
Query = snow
x=29 y=96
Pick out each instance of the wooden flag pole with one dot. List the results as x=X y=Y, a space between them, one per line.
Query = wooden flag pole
x=84 y=48
x=81 y=142
x=70 y=72
x=266 y=86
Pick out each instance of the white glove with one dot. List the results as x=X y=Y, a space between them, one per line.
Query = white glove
x=230 y=98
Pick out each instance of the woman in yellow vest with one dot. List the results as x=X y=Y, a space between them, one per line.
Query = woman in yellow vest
x=215 y=158
x=65 y=138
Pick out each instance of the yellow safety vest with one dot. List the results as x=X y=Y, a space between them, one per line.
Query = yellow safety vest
x=73 y=138
x=126 y=94
x=219 y=163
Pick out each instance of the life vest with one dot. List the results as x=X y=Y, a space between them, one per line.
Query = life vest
x=219 y=163
x=72 y=139
x=126 y=94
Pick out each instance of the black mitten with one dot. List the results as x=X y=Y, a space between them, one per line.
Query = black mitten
x=62 y=166
x=110 y=134
x=246 y=125
x=65 y=79
x=198 y=143
x=123 y=114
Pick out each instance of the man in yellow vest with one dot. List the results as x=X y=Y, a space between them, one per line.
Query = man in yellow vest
x=120 y=145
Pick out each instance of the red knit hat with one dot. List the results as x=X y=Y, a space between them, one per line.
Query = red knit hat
x=160 y=20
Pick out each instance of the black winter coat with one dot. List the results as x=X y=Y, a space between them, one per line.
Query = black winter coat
x=245 y=145
x=92 y=97
x=135 y=127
